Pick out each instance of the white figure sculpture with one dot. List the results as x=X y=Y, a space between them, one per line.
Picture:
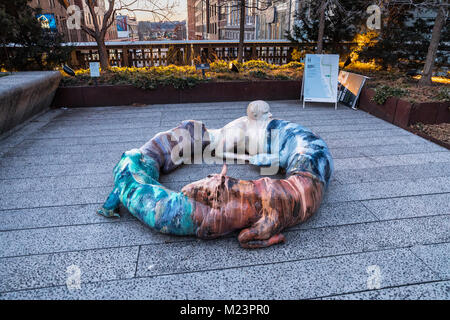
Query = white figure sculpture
x=246 y=134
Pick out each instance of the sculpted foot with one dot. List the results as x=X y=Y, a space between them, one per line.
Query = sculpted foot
x=254 y=244
x=264 y=233
x=108 y=213
x=111 y=206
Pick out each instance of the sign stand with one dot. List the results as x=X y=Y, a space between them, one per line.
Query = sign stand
x=94 y=69
x=349 y=89
x=320 y=78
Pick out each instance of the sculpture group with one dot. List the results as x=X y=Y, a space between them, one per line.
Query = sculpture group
x=219 y=204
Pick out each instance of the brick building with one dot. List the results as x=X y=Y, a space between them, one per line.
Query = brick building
x=217 y=20
x=57 y=8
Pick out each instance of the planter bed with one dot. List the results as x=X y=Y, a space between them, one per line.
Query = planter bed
x=115 y=95
x=428 y=137
x=404 y=114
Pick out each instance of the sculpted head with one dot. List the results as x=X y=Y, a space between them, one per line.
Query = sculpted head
x=258 y=110
x=210 y=190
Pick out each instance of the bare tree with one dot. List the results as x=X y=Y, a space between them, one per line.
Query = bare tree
x=101 y=25
x=241 y=30
x=442 y=13
x=323 y=7
x=441 y=7
x=261 y=5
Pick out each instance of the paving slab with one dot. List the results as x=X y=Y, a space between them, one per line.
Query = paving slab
x=436 y=256
x=386 y=207
x=438 y=290
x=57 y=182
x=421 y=171
x=386 y=189
x=303 y=279
x=143 y=134
x=49 y=270
x=56 y=216
x=80 y=237
x=226 y=253
x=411 y=206
x=392 y=160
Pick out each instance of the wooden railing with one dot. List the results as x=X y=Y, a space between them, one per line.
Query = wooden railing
x=154 y=53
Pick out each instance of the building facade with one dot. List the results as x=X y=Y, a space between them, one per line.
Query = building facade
x=219 y=19
x=231 y=20
x=127 y=28
x=58 y=10
x=190 y=22
x=276 y=20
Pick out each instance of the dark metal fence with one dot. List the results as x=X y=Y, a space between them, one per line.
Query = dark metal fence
x=156 y=53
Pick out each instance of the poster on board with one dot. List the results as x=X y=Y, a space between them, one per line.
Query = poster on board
x=122 y=27
x=320 y=78
x=47 y=21
x=349 y=88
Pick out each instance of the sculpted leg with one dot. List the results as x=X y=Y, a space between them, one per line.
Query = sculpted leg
x=111 y=206
x=264 y=233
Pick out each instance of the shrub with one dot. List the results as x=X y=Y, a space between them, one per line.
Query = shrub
x=280 y=76
x=382 y=93
x=443 y=95
x=258 y=74
x=219 y=66
x=292 y=65
x=257 y=64
x=181 y=77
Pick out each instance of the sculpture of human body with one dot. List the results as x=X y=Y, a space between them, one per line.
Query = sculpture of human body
x=219 y=204
x=246 y=134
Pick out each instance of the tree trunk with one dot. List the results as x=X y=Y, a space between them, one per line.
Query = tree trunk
x=102 y=52
x=432 y=48
x=241 y=30
x=321 y=27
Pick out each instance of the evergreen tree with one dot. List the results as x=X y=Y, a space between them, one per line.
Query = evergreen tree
x=403 y=39
x=343 y=20
x=25 y=45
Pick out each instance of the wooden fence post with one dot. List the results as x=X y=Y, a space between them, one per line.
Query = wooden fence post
x=124 y=57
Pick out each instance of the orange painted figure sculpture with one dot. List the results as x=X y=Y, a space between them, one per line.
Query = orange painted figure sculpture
x=219 y=204
x=261 y=208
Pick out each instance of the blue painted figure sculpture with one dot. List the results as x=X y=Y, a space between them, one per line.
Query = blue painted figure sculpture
x=220 y=204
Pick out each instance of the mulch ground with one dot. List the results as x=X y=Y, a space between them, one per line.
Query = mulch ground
x=440 y=131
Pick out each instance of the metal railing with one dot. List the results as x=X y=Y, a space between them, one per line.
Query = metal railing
x=184 y=52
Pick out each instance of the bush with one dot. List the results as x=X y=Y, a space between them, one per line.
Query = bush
x=258 y=74
x=257 y=64
x=443 y=95
x=382 y=93
x=292 y=65
x=181 y=77
x=280 y=76
x=219 y=66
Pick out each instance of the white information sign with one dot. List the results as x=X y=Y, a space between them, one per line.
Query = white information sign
x=94 y=68
x=320 y=78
